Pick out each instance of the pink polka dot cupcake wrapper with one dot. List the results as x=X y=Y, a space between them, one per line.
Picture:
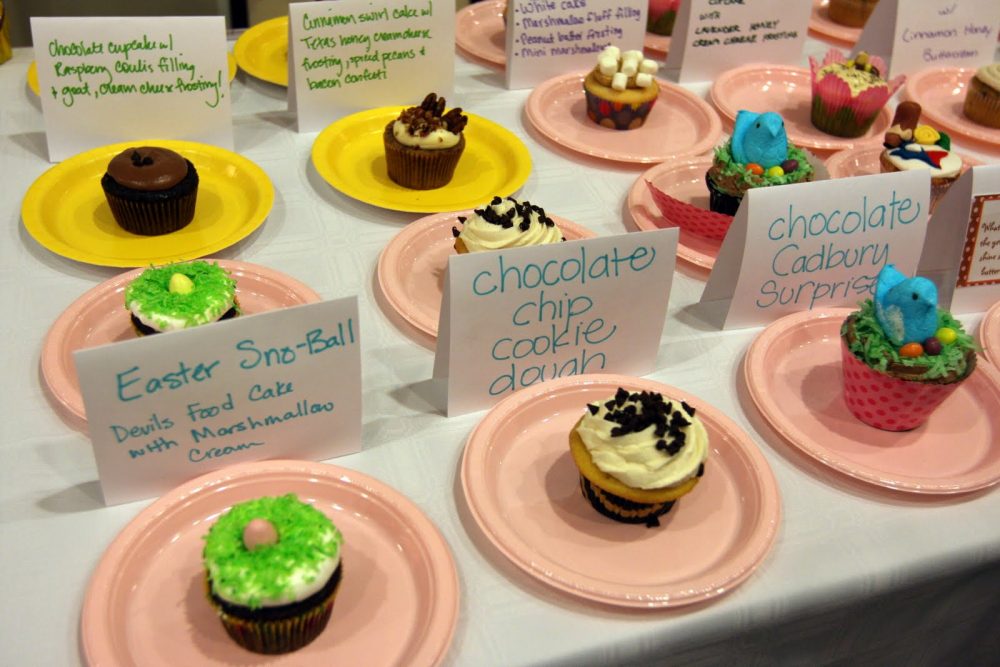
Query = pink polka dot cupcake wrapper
x=886 y=402
x=708 y=224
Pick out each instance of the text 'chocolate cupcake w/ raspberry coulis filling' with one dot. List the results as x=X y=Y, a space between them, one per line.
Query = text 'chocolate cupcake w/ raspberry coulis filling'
x=424 y=144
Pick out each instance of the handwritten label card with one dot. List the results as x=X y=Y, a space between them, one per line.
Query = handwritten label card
x=105 y=80
x=513 y=318
x=816 y=245
x=962 y=252
x=916 y=34
x=352 y=55
x=166 y=408
x=546 y=38
x=711 y=36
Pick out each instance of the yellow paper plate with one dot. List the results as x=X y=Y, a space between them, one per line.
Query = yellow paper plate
x=262 y=51
x=33 y=72
x=349 y=155
x=65 y=209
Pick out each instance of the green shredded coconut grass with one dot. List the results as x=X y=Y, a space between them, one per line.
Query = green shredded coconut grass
x=214 y=293
x=734 y=178
x=871 y=346
x=306 y=539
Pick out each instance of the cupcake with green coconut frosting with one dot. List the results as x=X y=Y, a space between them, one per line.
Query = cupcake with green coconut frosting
x=273 y=567
x=180 y=296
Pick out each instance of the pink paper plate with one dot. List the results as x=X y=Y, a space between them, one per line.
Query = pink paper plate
x=989 y=333
x=821 y=25
x=865 y=161
x=685 y=181
x=941 y=94
x=793 y=373
x=659 y=44
x=397 y=604
x=787 y=90
x=411 y=266
x=480 y=31
x=522 y=488
x=99 y=317
x=680 y=125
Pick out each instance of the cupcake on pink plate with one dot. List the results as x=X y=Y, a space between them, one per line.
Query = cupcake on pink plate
x=661 y=17
x=848 y=94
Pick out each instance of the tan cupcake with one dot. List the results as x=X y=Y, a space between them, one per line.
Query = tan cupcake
x=982 y=99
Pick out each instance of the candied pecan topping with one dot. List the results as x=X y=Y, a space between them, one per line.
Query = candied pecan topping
x=430 y=116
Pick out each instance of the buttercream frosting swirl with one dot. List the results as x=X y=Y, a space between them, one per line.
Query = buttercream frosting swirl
x=990 y=75
x=644 y=440
x=507 y=223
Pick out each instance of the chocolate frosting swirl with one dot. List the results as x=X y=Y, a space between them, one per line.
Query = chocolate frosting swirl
x=148 y=168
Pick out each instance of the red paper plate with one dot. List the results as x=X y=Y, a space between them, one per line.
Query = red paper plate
x=793 y=373
x=523 y=491
x=397 y=603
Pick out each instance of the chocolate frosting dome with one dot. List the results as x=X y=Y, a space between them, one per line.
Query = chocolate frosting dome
x=148 y=168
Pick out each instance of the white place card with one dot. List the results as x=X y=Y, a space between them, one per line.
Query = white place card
x=351 y=55
x=816 y=245
x=918 y=34
x=514 y=318
x=106 y=80
x=711 y=36
x=546 y=38
x=165 y=408
x=962 y=252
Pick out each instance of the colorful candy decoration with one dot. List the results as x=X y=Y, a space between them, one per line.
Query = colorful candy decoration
x=755 y=168
x=933 y=346
x=180 y=284
x=912 y=350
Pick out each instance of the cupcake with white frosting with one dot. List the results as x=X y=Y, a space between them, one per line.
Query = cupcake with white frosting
x=982 y=99
x=423 y=145
x=621 y=89
x=273 y=567
x=180 y=296
x=638 y=452
x=505 y=223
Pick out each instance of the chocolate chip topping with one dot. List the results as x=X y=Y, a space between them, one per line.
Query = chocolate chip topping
x=430 y=116
x=148 y=168
x=667 y=421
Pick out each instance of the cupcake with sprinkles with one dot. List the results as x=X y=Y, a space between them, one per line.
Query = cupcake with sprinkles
x=505 y=223
x=902 y=355
x=272 y=570
x=180 y=296
x=637 y=453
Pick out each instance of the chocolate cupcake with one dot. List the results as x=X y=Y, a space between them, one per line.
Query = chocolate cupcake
x=151 y=190
x=423 y=145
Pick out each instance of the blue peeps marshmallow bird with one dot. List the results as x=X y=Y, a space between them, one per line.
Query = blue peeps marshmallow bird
x=905 y=307
x=760 y=138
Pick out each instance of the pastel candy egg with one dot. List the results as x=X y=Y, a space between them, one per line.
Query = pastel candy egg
x=790 y=165
x=259 y=533
x=180 y=284
x=933 y=347
x=776 y=170
x=946 y=335
x=755 y=168
x=911 y=350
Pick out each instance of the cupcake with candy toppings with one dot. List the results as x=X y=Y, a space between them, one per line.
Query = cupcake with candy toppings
x=902 y=355
x=272 y=569
x=151 y=190
x=423 y=145
x=758 y=155
x=847 y=95
x=910 y=145
x=505 y=223
x=180 y=296
x=637 y=453
x=621 y=89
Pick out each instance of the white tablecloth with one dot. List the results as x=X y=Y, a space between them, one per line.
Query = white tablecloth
x=855 y=576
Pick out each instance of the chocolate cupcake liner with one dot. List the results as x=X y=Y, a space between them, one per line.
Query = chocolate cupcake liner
x=721 y=202
x=621 y=509
x=837 y=118
x=617 y=115
x=888 y=402
x=420 y=169
x=982 y=104
x=276 y=635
